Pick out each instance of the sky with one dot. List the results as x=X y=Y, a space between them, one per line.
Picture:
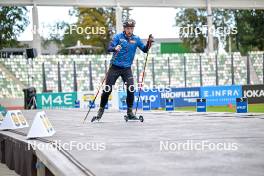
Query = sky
x=156 y=21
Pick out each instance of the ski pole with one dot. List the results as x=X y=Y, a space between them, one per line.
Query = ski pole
x=101 y=85
x=143 y=75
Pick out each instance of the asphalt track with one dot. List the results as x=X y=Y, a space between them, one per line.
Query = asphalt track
x=166 y=143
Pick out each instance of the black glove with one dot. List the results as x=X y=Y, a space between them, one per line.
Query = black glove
x=150 y=41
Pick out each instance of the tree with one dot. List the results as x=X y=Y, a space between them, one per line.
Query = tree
x=13 y=21
x=191 y=19
x=250 y=36
x=196 y=22
x=95 y=26
x=244 y=28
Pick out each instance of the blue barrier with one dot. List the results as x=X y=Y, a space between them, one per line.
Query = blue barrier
x=123 y=105
x=91 y=104
x=106 y=106
x=201 y=105
x=241 y=105
x=77 y=104
x=169 y=106
x=146 y=105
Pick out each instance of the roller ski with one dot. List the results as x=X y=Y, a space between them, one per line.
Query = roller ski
x=132 y=117
x=99 y=115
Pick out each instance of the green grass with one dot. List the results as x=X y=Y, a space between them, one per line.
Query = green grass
x=251 y=108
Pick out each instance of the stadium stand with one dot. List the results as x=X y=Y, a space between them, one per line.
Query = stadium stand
x=21 y=68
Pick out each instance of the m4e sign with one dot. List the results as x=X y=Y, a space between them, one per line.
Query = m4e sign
x=56 y=100
x=254 y=93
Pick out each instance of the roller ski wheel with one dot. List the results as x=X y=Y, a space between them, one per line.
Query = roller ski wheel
x=134 y=118
x=95 y=118
x=141 y=118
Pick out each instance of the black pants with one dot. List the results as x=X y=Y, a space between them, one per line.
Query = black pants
x=127 y=77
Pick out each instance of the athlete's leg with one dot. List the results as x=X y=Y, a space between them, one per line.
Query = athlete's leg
x=111 y=78
x=127 y=77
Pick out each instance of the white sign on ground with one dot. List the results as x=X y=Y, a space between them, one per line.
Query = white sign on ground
x=1 y=118
x=41 y=126
x=14 y=120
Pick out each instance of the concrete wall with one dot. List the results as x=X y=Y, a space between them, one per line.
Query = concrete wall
x=12 y=102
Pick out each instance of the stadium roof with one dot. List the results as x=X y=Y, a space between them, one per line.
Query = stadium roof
x=228 y=4
x=13 y=50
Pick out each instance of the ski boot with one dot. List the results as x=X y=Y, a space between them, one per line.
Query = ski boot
x=131 y=116
x=99 y=115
